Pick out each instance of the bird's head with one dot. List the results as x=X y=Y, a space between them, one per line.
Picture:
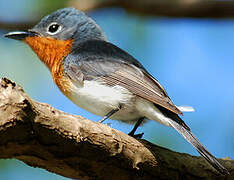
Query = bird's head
x=58 y=33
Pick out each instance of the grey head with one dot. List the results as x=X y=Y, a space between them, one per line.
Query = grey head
x=69 y=23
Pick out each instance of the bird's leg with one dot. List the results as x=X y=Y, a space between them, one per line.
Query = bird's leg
x=109 y=114
x=132 y=133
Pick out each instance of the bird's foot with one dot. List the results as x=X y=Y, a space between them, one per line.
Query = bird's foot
x=137 y=136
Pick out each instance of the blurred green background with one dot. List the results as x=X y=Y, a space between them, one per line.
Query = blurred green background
x=191 y=58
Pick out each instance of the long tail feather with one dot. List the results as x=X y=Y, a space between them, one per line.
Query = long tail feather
x=186 y=108
x=199 y=147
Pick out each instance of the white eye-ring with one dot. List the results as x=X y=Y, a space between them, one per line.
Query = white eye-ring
x=54 y=28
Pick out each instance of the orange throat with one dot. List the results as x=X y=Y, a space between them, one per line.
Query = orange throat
x=52 y=53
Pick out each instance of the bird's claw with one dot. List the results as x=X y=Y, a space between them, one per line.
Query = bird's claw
x=137 y=136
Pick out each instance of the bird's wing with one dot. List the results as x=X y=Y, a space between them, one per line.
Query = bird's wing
x=141 y=84
x=113 y=73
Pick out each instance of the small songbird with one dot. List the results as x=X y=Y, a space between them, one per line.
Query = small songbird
x=102 y=78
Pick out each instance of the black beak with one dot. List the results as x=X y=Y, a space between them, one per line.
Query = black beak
x=20 y=35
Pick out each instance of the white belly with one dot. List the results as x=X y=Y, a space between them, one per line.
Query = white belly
x=100 y=99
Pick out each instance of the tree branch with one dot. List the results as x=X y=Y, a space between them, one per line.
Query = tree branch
x=11 y=26
x=75 y=147
x=171 y=8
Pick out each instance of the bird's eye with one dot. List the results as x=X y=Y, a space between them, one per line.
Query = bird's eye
x=54 y=28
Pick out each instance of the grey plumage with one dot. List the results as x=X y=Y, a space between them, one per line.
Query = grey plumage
x=75 y=24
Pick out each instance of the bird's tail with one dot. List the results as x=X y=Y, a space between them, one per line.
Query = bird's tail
x=199 y=147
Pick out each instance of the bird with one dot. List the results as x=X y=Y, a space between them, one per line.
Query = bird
x=102 y=78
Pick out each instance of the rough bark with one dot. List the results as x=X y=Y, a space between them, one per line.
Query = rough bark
x=75 y=147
